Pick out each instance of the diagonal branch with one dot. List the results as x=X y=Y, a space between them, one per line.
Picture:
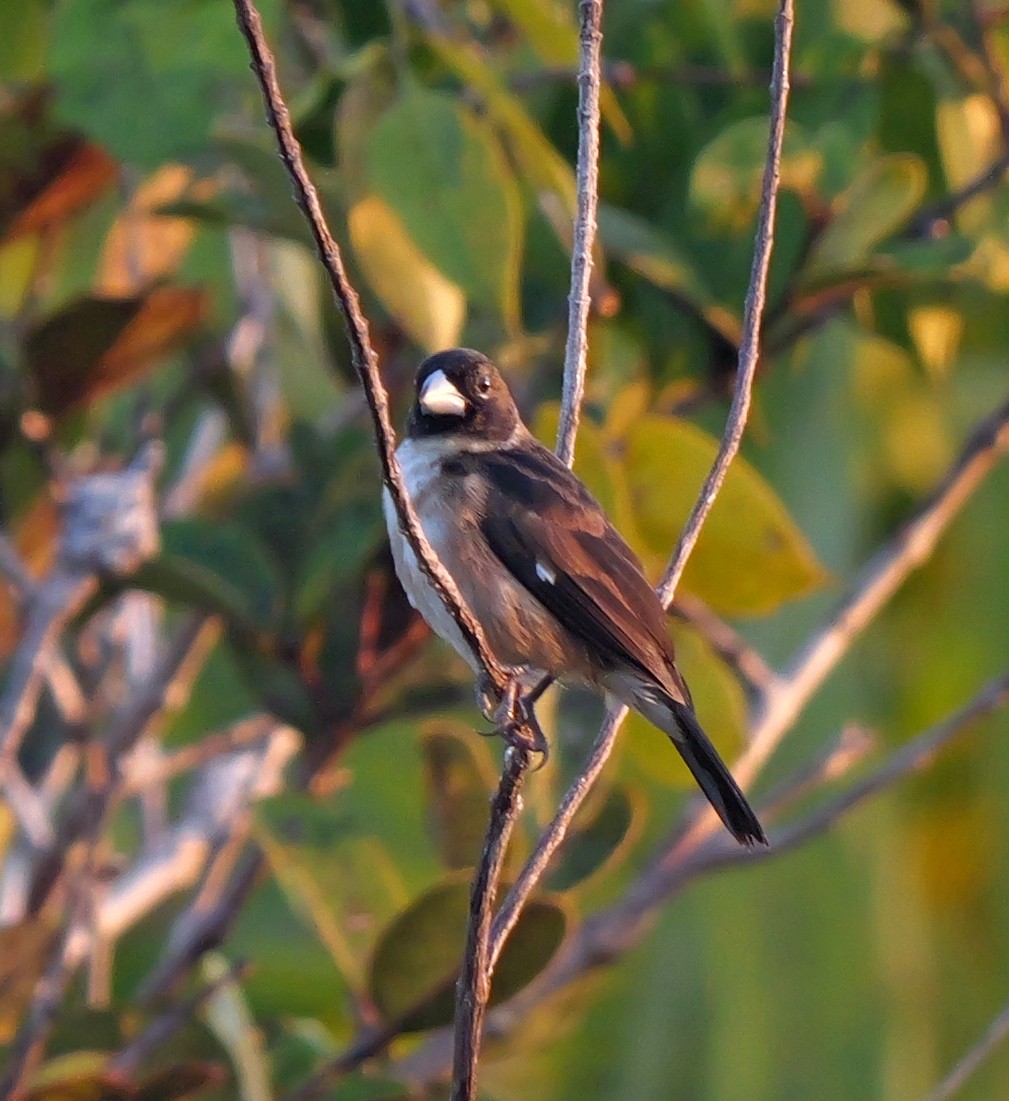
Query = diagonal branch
x=749 y=351
x=362 y=352
x=612 y=931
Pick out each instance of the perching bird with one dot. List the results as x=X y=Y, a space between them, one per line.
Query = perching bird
x=553 y=584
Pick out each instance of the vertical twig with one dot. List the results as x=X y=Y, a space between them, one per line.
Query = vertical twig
x=473 y=986
x=362 y=352
x=749 y=351
x=480 y=958
x=575 y=352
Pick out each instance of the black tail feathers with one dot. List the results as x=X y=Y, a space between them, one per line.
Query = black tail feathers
x=714 y=778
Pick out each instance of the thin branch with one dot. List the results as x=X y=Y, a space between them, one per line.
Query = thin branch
x=576 y=350
x=995 y=1035
x=753 y=310
x=556 y=832
x=473 y=985
x=362 y=351
x=612 y=931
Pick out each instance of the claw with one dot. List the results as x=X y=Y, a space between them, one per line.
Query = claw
x=515 y=717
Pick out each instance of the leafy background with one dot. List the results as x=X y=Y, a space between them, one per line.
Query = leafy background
x=152 y=262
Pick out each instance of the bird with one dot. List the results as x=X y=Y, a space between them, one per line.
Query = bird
x=554 y=586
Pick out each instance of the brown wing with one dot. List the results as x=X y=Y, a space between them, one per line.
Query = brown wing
x=553 y=537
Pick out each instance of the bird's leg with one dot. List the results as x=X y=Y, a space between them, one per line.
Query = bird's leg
x=516 y=715
x=513 y=713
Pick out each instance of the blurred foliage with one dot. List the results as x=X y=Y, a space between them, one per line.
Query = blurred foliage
x=154 y=269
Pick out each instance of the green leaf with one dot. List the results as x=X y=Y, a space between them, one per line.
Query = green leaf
x=595 y=843
x=442 y=172
x=553 y=35
x=346 y=886
x=459 y=777
x=218 y=567
x=751 y=557
x=413 y=972
x=873 y=208
x=650 y=253
x=720 y=705
x=726 y=176
x=339 y=552
x=543 y=166
x=174 y=64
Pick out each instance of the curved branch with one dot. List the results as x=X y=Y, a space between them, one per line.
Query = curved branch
x=362 y=352
x=749 y=351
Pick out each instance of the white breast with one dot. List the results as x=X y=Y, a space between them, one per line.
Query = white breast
x=420 y=463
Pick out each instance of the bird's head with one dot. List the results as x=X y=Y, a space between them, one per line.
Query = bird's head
x=461 y=393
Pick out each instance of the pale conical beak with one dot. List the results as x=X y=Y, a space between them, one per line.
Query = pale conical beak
x=440 y=397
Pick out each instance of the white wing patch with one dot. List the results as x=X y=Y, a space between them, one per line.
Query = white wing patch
x=545 y=572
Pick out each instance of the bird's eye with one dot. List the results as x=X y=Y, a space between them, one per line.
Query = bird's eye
x=483 y=385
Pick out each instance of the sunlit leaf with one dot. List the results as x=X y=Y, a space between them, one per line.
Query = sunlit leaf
x=726 y=177
x=441 y=170
x=751 y=557
x=875 y=206
x=428 y=305
x=413 y=971
x=969 y=136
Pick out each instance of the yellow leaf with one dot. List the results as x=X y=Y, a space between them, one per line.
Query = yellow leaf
x=751 y=556
x=430 y=307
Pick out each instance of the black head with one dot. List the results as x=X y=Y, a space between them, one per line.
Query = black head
x=460 y=392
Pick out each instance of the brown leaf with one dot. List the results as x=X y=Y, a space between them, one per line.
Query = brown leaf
x=95 y=345
x=46 y=174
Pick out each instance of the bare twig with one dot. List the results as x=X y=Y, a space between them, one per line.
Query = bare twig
x=362 y=351
x=576 y=350
x=995 y=1035
x=473 y=986
x=875 y=584
x=555 y=833
x=612 y=931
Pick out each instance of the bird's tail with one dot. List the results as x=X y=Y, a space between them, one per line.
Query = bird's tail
x=678 y=720
x=714 y=777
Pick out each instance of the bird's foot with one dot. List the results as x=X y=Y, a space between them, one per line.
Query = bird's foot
x=513 y=713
